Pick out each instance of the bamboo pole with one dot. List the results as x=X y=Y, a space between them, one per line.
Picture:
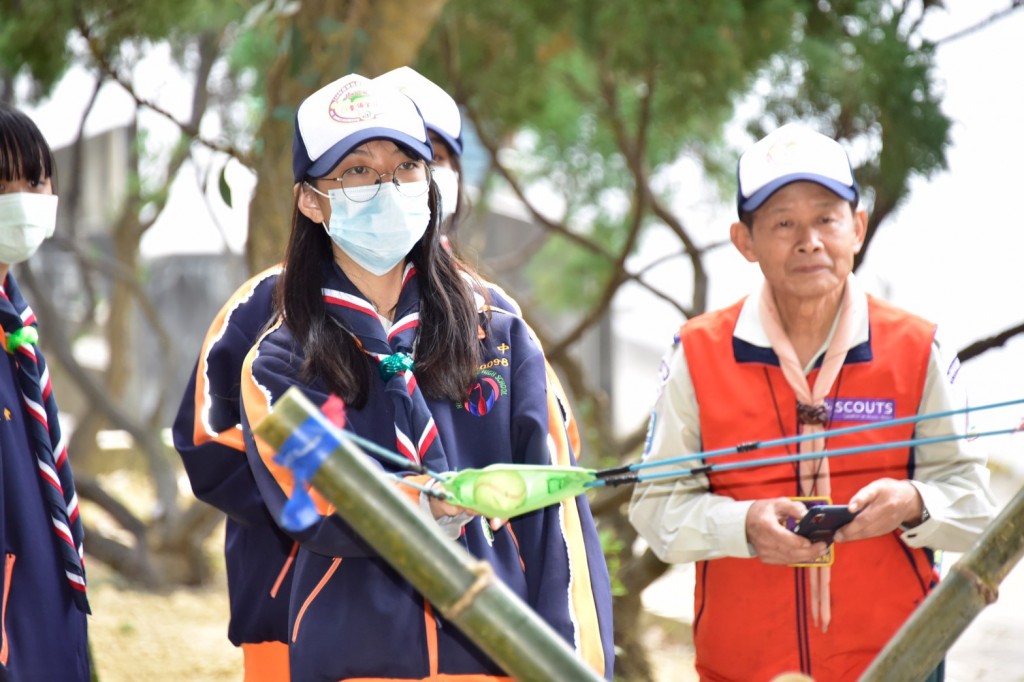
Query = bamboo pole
x=971 y=585
x=462 y=587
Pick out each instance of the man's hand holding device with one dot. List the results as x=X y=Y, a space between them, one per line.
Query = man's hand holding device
x=821 y=522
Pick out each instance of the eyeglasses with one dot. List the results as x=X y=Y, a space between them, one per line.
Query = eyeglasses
x=361 y=183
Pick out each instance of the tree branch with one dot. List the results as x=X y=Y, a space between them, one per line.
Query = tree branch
x=988 y=21
x=633 y=440
x=57 y=341
x=980 y=346
x=632 y=150
x=519 y=258
x=189 y=129
x=645 y=195
x=90 y=489
x=557 y=227
x=609 y=499
x=131 y=562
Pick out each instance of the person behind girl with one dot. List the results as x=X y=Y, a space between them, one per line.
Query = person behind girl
x=207 y=435
x=43 y=629
x=366 y=278
x=444 y=126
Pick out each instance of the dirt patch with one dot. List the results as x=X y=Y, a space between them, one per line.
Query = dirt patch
x=670 y=646
x=179 y=634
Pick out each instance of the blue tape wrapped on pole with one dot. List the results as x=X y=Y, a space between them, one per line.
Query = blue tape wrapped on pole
x=463 y=588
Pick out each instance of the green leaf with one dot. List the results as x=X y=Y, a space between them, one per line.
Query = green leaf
x=222 y=185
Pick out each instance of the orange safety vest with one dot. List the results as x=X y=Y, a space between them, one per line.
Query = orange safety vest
x=751 y=620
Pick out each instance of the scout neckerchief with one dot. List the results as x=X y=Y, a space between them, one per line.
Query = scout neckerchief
x=392 y=344
x=813 y=416
x=44 y=437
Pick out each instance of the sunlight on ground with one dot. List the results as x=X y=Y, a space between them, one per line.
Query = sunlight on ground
x=180 y=634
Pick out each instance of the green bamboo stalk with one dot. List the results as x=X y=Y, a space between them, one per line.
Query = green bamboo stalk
x=461 y=586
x=971 y=585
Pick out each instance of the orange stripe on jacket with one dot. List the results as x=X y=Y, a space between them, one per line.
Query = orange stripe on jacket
x=5 y=647
x=430 y=626
x=567 y=418
x=584 y=609
x=257 y=405
x=256 y=402
x=231 y=437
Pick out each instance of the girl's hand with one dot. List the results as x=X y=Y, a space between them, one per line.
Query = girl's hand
x=439 y=508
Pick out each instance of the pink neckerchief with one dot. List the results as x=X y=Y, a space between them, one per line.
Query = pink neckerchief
x=813 y=473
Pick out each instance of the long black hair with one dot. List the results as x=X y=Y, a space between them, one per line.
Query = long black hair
x=448 y=353
x=24 y=152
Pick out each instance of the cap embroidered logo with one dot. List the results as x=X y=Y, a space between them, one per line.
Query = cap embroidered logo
x=782 y=152
x=352 y=104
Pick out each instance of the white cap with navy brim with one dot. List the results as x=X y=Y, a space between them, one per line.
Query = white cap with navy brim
x=440 y=112
x=791 y=153
x=344 y=114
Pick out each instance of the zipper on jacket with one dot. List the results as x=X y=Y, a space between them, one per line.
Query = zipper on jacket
x=515 y=541
x=8 y=574
x=433 y=624
x=284 y=570
x=312 y=595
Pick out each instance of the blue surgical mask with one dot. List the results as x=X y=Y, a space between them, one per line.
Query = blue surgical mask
x=378 y=233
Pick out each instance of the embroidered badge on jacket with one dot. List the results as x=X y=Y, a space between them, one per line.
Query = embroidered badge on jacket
x=489 y=386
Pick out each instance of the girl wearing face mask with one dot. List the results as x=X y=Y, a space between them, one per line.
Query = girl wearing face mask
x=206 y=430
x=42 y=586
x=366 y=279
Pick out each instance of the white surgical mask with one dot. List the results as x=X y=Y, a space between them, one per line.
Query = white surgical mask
x=377 y=234
x=26 y=220
x=447 y=182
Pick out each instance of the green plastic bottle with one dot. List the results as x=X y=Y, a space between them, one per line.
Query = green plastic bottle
x=502 y=491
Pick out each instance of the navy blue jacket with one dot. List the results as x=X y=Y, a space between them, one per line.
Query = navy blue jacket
x=352 y=615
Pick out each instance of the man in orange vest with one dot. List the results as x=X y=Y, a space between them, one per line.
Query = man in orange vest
x=806 y=353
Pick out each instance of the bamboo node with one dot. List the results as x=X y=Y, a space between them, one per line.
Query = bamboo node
x=990 y=593
x=484 y=577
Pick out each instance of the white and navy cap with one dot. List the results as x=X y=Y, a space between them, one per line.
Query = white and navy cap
x=440 y=112
x=344 y=114
x=791 y=153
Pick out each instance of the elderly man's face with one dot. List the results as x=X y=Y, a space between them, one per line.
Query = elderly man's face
x=804 y=238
